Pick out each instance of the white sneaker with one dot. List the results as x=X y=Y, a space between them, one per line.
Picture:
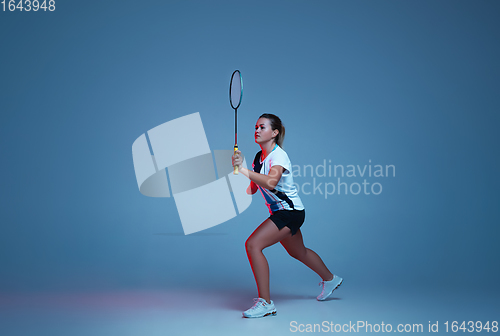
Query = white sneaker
x=329 y=287
x=260 y=309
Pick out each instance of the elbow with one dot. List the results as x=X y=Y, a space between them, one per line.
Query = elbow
x=271 y=184
x=252 y=189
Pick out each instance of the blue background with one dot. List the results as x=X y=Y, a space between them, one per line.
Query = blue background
x=412 y=84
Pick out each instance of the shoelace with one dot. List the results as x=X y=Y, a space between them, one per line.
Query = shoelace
x=323 y=282
x=257 y=303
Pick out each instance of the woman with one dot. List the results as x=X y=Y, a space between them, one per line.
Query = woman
x=272 y=174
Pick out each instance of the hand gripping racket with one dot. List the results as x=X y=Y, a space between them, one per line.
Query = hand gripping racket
x=235 y=95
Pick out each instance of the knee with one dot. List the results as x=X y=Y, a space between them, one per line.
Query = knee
x=297 y=254
x=252 y=246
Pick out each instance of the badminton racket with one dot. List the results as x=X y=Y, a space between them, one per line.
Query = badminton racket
x=235 y=95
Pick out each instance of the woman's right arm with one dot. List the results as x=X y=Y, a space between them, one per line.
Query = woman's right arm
x=237 y=160
x=252 y=188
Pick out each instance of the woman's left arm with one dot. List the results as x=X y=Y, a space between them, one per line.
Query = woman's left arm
x=265 y=181
x=268 y=181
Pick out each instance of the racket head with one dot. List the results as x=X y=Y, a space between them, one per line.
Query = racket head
x=235 y=89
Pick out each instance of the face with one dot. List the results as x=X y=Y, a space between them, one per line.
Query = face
x=263 y=131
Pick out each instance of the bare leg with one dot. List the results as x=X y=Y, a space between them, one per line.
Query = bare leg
x=265 y=235
x=294 y=245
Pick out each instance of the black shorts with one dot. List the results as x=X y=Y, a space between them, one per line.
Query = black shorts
x=291 y=218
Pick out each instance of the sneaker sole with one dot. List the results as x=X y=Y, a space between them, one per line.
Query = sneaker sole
x=273 y=313
x=326 y=297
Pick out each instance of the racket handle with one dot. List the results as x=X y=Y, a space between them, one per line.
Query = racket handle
x=235 y=172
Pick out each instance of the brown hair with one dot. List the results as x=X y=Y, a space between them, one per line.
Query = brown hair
x=276 y=124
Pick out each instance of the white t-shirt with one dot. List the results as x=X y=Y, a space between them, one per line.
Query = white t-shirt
x=284 y=196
